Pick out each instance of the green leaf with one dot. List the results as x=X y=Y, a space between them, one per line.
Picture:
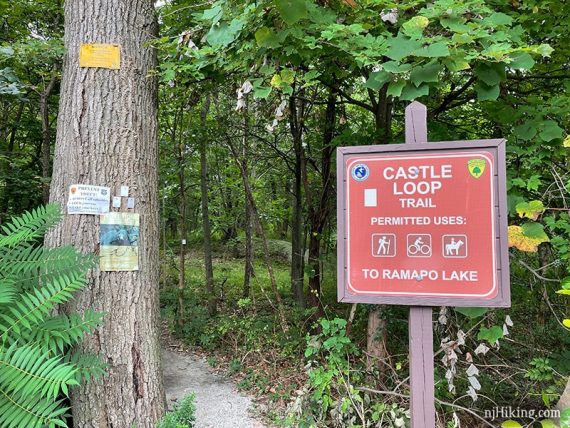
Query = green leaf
x=565 y=283
x=526 y=131
x=395 y=88
x=266 y=38
x=214 y=14
x=534 y=230
x=486 y=92
x=491 y=335
x=261 y=92
x=498 y=18
x=511 y=424
x=456 y=64
x=396 y=67
x=415 y=26
x=550 y=131
x=456 y=24
x=490 y=74
x=410 y=92
x=401 y=47
x=427 y=73
x=533 y=182
x=521 y=61
x=377 y=79
x=292 y=11
x=547 y=423
x=472 y=312
x=434 y=50
x=563 y=292
x=223 y=34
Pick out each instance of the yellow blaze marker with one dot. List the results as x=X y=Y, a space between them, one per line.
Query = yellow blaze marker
x=100 y=55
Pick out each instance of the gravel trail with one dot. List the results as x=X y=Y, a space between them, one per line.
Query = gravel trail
x=218 y=403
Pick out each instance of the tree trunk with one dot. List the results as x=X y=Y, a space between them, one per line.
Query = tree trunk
x=376 y=340
x=382 y=114
x=209 y=270
x=248 y=268
x=266 y=255
x=107 y=135
x=6 y=166
x=183 y=233
x=297 y=254
x=46 y=135
x=319 y=211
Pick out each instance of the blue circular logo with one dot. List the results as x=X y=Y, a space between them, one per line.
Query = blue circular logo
x=360 y=172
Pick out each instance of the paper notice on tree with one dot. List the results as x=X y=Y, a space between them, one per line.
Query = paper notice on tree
x=100 y=55
x=119 y=242
x=86 y=199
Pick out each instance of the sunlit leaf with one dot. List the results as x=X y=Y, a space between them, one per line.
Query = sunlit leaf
x=415 y=26
x=530 y=209
x=524 y=243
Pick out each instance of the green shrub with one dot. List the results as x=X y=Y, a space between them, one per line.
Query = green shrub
x=182 y=416
x=37 y=367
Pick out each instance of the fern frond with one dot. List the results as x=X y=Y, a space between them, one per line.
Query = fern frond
x=34 y=307
x=36 y=365
x=28 y=371
x=57 y=334
x=89 y=366
x=24 y=259
x=28 y=266
x=30 y=412
x=30 y=225
x=7 y=291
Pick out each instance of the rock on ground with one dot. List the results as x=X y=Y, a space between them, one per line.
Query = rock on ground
x=218 y=403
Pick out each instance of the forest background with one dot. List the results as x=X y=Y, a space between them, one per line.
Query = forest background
x=254 y=99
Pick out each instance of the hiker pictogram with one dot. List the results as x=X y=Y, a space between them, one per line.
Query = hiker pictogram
x=384 y=245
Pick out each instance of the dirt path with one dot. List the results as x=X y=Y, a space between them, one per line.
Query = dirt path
x=218 y=403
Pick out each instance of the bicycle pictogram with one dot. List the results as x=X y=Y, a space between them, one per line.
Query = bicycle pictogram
x=419 y=245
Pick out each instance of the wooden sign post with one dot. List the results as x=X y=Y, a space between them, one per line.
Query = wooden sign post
x=422 y=387
x=423 y=225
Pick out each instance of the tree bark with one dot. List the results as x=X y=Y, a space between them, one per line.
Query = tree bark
x=6 y=165
x=183 y=231
x=297 y=254
x=319 y=211
x=206 y=230
x=248 y=220
x=46 y=135
x=376 y=340
x=107 y=135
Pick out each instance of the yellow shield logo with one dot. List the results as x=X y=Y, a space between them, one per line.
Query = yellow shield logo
x=476 y=167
